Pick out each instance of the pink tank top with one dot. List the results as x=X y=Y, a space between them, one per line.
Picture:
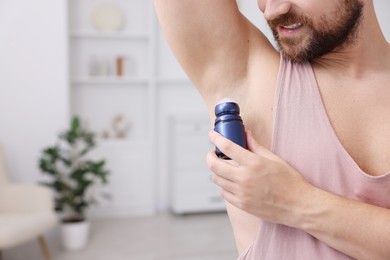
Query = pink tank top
x=304 y=137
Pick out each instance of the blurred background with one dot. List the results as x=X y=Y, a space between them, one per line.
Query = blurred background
x=108 y=63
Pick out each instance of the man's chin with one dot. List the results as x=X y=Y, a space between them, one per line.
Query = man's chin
x=296 y=50
x=295 y=55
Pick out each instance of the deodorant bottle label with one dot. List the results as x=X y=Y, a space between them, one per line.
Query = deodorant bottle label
x=228 y=123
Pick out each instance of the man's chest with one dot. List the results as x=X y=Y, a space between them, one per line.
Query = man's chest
x=360 y=117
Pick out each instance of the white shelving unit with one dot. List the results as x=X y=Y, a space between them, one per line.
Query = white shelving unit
x=140 y=181
x=99 y=93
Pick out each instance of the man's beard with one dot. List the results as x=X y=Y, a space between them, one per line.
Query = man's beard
x=324 y=37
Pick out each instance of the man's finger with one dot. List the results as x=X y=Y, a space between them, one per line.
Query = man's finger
x=229 y=148
x=223 y=168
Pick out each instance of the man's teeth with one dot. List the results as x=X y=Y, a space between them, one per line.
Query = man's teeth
x=293 y=26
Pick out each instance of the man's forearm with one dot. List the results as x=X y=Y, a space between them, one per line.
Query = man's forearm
x=357 y=229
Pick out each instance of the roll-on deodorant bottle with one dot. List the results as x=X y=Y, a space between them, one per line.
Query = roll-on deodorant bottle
x=228 y=123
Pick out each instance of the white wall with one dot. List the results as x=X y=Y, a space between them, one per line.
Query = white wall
x=33 y=81
x=382 y=8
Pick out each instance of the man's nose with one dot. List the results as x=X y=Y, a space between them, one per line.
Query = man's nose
x=275 y=8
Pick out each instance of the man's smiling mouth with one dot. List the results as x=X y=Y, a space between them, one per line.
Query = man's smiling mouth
x=292 y=26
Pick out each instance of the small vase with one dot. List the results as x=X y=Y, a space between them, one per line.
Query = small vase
x=75 y=236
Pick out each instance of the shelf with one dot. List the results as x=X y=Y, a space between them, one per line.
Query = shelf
x=112 y=80
x=109 y=35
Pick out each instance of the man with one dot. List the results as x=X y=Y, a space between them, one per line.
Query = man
x=314 y=182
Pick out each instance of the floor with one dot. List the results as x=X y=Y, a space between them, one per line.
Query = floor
x=161 y=237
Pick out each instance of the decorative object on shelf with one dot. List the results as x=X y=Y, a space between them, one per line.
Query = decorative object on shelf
x=74 y=179
x=120 y=126
x=106 y=67
x=125 y=66
x=100 y=66
x=105 y=134
x=107 y=17
x=119 y=66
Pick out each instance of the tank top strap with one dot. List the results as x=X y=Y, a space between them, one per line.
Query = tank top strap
x=297 y=96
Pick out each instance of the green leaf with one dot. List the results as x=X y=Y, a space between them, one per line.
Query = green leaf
x=59 y=205
x=75 y=123
x=63 y=162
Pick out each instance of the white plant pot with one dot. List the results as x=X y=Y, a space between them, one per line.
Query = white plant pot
x=75 y=236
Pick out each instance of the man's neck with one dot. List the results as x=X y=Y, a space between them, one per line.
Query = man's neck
x=368 y=53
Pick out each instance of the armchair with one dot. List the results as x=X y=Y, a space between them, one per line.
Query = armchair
x=26 y=212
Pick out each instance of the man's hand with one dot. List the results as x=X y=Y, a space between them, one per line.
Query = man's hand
x=259 y=182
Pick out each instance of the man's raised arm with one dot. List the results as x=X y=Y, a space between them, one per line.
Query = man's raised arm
x=212 y=40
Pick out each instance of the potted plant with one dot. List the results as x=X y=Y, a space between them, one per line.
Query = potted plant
x=73 y=177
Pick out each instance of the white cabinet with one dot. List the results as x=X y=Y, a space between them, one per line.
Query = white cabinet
x=112 y=79
x=192 y=188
